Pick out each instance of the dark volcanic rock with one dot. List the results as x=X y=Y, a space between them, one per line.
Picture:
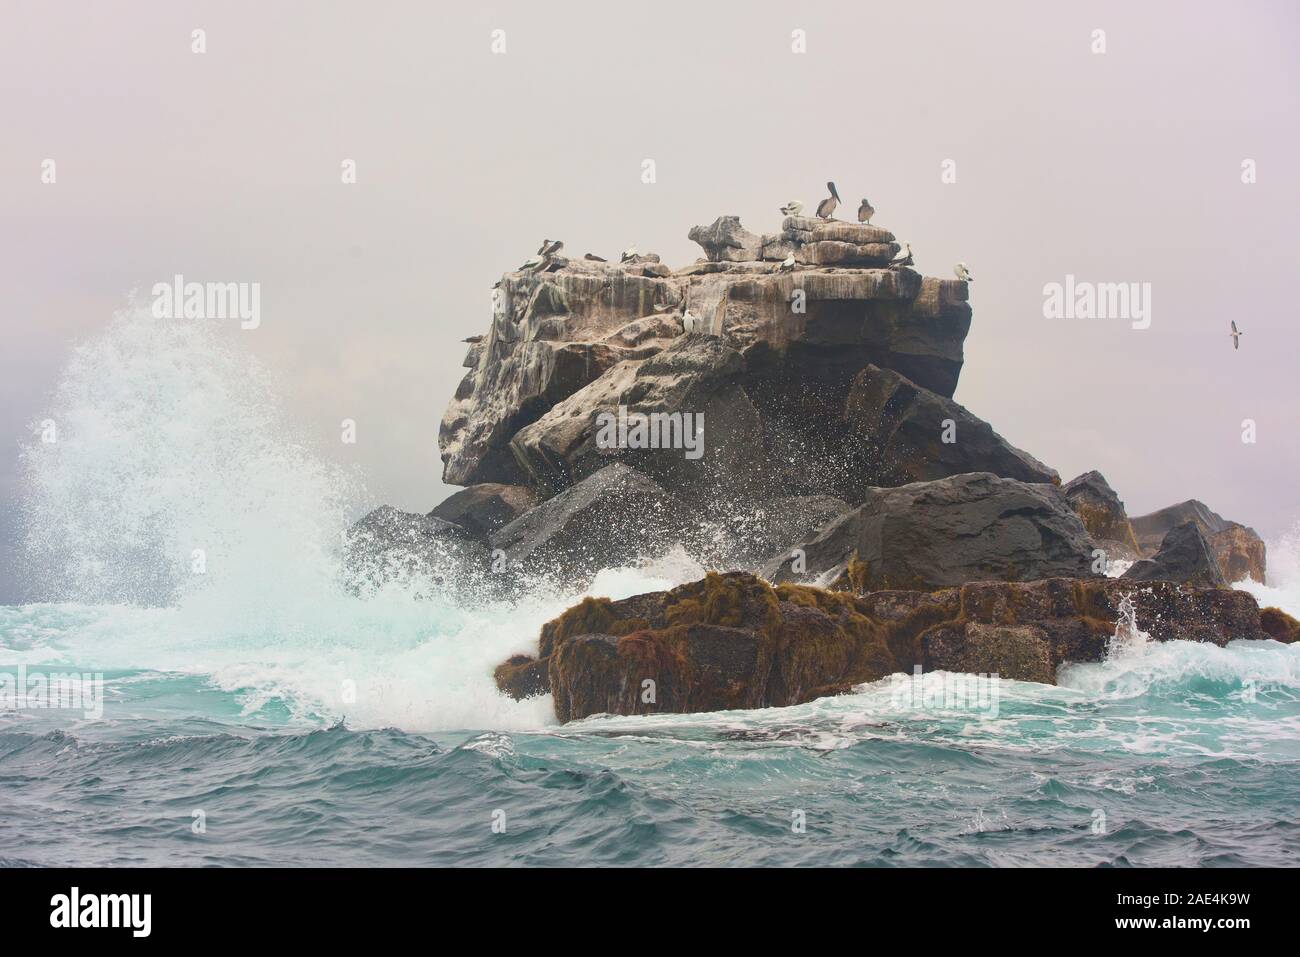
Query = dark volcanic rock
x=482 y=509
x=927 y=535
x=615 y=517
x=733 y=641
x=1184 y=556
x=902 y=428
x=1238 y=549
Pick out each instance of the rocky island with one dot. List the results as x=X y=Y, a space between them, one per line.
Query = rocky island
x=858 y=520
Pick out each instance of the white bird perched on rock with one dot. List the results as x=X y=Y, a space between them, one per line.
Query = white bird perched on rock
x=1236 y=335
x=691 y=323
x=787 y=264
x=904 y=257
x=792 y=208
x=963 y=272
x=826 y=208
x=629 y=253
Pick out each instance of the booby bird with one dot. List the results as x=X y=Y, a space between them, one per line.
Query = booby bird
x=787 y=263
x=963 y=272
x=865 y=212
x=792 y=208
x=691 y=323
x=629 y=253
x=594 y=258
x=826 y=208
x=1236 y=335
x=904 y=257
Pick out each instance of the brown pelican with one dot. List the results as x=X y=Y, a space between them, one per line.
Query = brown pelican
x=865 y=212
x=1236 y=335
x=792 y=208
x=963 y=272
x=629 y=253
x=593 y=258
x=904 y=258
x=550 y=248
x=826 y=208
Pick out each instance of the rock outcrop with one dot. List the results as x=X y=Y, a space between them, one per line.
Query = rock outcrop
x=1184 y=556
x=1103 y=515
x=614 y=517
x=909 y=434
x=926 y=535
x=734 y=641
x=1239 y=551
x=482 y=509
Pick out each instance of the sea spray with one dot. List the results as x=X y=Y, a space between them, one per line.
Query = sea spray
x=171 y=440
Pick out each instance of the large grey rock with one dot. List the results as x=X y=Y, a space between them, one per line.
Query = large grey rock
x=482 y=509
x=901 y=429
x=1185 y=557
x=1103 y=515
x=1238 y=549
x=966 y=528
x=695 y=376
x=551 y=334
x=616 y=516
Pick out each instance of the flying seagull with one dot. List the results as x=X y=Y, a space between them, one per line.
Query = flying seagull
x=904 y=257
x=963 y=272
x=826 y=208
x=629 y=253
x=1236 y=335
x=792 y=208
x=787 y=264
x=865 y=212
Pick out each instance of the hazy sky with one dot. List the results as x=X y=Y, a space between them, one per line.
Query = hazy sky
x=1115 y=167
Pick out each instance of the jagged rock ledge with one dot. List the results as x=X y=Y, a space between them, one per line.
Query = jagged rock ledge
x=735 y=641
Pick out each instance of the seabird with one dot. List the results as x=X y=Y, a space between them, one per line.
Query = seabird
x=690 y=322
x=1236 y=335
x=963 y=272
x=594 y=258
x=533 y=262
x=904 y=258
x=629 y=253
x=787 y=263
x=551 y=249
x=865 y=212
x=826 y=208
x=792 y=208
x=541 y=250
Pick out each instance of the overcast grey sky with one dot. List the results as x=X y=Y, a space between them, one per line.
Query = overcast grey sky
x=1120 y=167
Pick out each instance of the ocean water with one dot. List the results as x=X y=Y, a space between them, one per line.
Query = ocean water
x=253 y=712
